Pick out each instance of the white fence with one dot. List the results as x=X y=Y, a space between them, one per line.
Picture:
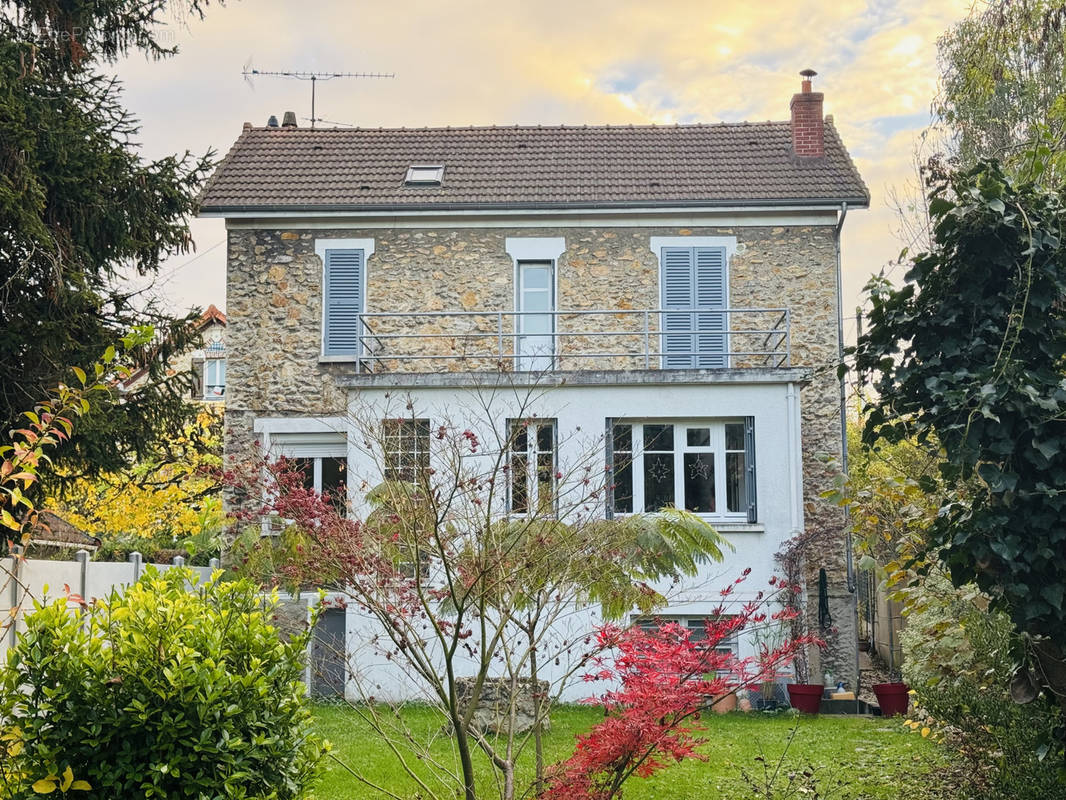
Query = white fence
x=25 y=580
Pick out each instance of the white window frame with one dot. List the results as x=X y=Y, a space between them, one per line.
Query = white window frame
x=321 y=246
x=716 y=447
x=424 y=175
x=420 y=449
x=540 y=249
x=315 y=438
x=692 y=623
x=532 y=454
x=208 y=362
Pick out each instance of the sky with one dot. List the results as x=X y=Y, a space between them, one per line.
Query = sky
x=484 y=62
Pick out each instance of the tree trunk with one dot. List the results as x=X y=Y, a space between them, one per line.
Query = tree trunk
x=462 y=743
x=538 y=729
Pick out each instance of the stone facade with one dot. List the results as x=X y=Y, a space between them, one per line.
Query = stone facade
x=275 y=309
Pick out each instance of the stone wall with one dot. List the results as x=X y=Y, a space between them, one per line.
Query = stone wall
x=274 y=312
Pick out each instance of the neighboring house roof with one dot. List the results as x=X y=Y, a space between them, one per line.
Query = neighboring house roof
x=212 y=314
x=51 y=529
x=749 y=163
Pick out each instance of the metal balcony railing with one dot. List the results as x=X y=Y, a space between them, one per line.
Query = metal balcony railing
x=538 y=341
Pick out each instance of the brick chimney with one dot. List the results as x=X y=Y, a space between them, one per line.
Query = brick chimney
x=808 y=128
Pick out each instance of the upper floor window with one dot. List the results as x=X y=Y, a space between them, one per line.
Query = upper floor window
x=343 y=296
x=694 y=282
x=707 y=467
x=535 y=304
x=214 y=378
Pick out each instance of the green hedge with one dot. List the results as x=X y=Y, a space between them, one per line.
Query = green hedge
x=171 y=690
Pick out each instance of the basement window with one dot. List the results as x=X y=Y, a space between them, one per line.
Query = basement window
x=424 y=175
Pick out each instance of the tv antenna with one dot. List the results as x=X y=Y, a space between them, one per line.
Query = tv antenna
x=314 y=78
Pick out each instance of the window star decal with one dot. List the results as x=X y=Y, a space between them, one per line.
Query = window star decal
x=700 y=469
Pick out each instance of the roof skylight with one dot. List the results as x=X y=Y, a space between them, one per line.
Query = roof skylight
x=424 y=175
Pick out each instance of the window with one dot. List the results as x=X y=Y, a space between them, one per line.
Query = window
x=694 y=281
x=707 y=467
x=214 y=378
x=536 y=322
x=697 y=625
x=535 y=260
x=343 y=295
x=322 y=458
x=532 y=464
x=424 y=174
x=406 y=444
x=327 y=475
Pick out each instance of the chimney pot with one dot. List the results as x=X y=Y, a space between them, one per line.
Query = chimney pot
x=272 y=122
x=247 y=126
x=808 y=127
x=289 y=120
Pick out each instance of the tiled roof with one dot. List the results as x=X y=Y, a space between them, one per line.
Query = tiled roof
x=212 y=314
x=52 y=529
x=529 y=167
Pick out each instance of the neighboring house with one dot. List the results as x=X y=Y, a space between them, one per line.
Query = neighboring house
x=53 y=533
x=207 y=364
x=677 y=286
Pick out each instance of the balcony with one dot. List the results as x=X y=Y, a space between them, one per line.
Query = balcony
x=555 y=341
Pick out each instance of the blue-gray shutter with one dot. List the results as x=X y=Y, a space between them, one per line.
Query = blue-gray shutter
x=608 y=446
x=694 y=278
x=749 y=465
x=343 y=302
x=678 y=292
x=710 y=293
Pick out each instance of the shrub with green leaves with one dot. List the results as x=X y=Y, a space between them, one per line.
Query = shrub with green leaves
x=959 y=659
x=171 y=690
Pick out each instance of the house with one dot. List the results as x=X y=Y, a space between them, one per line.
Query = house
x=676 y=287
x=52 y=533
x=207 y=364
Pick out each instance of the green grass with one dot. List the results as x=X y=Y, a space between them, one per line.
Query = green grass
x=858 y=758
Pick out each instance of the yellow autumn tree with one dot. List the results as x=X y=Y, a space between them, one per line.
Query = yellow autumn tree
x=169 y=506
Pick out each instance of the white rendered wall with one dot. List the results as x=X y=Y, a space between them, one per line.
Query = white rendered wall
x=581 y=412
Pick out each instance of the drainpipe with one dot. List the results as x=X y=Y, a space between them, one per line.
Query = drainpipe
x=843 y=393
x=848 y=555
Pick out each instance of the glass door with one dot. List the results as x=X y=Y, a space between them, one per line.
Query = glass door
x=535 y=323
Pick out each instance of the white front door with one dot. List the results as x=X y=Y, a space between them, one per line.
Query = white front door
x=535 y=323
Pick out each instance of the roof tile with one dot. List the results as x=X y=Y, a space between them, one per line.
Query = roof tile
x=524 y=166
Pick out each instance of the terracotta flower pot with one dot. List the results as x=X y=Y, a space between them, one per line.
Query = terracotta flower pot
x=805 y=697
x=892 y=698
x=724 y=703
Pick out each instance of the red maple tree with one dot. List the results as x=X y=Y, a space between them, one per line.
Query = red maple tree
x=666 y=677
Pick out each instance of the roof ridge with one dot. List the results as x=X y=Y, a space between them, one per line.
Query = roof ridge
x=516 y=127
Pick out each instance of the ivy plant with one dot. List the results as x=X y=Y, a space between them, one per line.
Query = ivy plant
x=969 y=357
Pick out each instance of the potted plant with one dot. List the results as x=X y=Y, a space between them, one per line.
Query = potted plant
x=892 y=697
x=802 y=695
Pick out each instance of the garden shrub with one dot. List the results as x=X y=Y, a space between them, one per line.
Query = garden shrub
x=959 y=659
x=172 y=690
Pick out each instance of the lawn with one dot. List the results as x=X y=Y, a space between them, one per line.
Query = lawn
x=856 y=757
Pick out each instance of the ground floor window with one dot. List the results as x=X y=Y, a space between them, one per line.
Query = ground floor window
x=703 y=466
x=406 y=449
x=327 y=475
x=532 y=463
x=321 y=459
x=697 y=626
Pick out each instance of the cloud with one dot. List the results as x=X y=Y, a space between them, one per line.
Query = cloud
x=557 y=61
